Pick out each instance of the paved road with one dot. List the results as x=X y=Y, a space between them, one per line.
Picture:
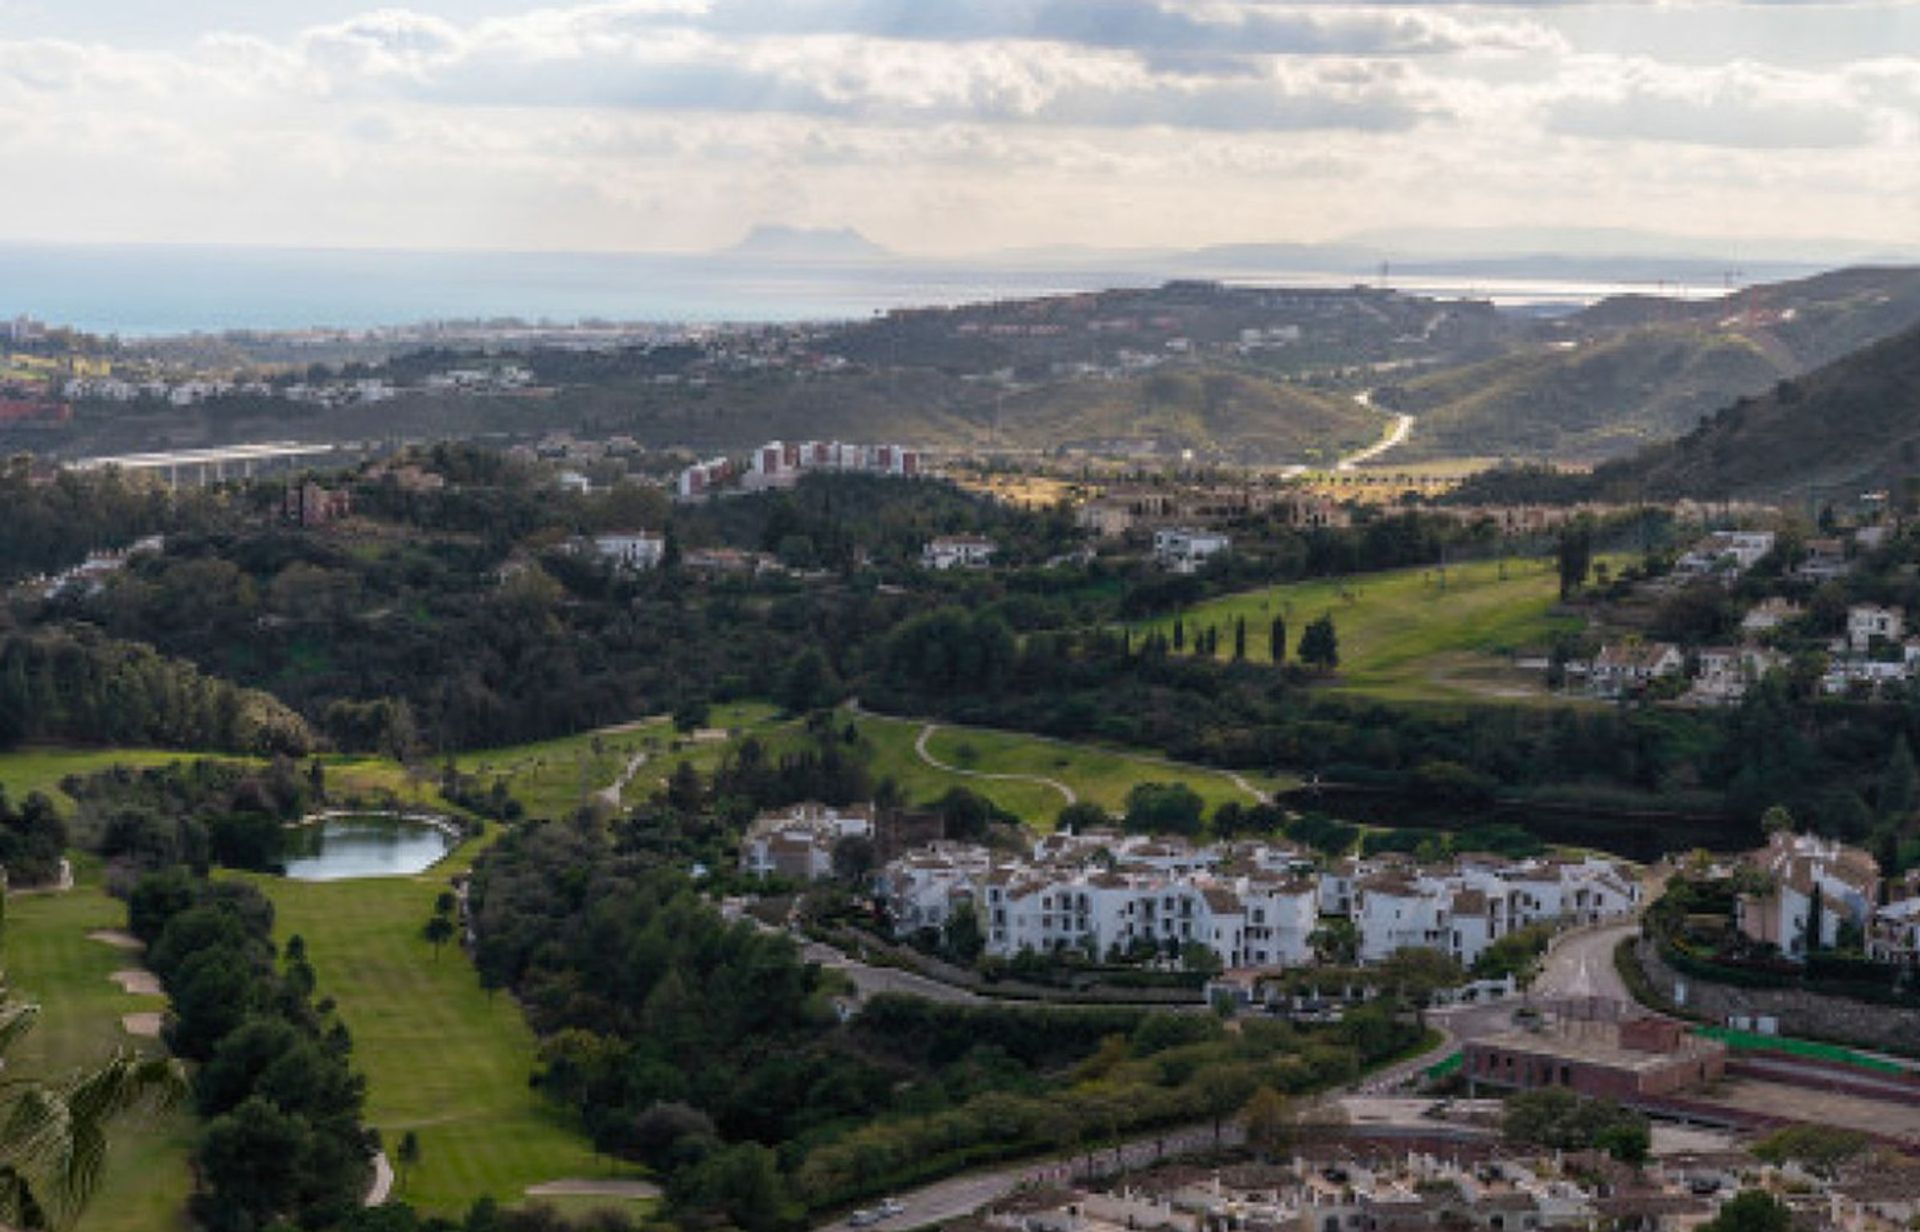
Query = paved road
x=1582 y=966
x=873 y=981
x=962 y=1195
x=1396 y=435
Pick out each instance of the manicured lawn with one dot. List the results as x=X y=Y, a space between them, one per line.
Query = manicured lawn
x=50 y=960
x=442 y=1057
x=555 y=777
x=1100 y=775
x=41 y=768
x=1406 y=636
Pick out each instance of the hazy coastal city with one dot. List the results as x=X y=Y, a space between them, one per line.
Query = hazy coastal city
x=1006 y=616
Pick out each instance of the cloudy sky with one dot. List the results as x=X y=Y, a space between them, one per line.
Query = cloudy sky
x=946 y=126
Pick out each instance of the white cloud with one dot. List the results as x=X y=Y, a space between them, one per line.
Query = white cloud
x=943 y=123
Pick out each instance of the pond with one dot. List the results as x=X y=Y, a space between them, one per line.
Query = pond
x=370 y=845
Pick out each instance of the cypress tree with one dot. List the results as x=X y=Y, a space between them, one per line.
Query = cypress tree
x=1277 y=640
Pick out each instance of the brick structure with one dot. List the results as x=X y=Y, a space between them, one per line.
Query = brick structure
x=1597 y=1051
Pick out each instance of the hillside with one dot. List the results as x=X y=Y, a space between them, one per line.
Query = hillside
x=1214 y=411
x=1632 y=370
x=1852 y=424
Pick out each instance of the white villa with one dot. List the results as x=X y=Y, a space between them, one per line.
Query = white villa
x=1184 y=550
x=638 y=550
x=1631 y=666
x=958 y=552
x=798 y=843
x=1725 y=554
x=1797 y=867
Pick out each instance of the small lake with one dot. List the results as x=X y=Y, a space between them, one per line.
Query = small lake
x=340 y=848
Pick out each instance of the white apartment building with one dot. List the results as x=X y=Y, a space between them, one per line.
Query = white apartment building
x=1253 y=906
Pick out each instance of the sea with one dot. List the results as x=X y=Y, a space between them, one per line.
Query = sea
x=151 y=291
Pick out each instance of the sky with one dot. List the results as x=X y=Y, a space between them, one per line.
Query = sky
x=945 y=127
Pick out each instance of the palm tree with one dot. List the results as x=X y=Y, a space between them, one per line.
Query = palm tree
x=53 y=1135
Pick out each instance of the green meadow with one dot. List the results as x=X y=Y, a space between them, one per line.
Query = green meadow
x=1409 y=635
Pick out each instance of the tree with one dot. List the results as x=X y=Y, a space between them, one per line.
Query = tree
x=1751 y=1210
x=853 y=858
x=1776 y=820
x=1336 y=943
x=1320 y=644
x=1081 y=815
x=1822 y=1148
x=1277 y=640
x=1179 y=634
x=1164 y=808
x=1269 y=1122
x=1816 y=920
x=1899 y=791
x=53 y=1146
x=438 y=931
x=1574 y=556
x=962 y=937
x=1629 y=1142
x=407 y=1156
x=1240 y=639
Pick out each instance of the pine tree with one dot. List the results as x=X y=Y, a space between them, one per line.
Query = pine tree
x=1277 y=640
x=1320 y=645
x=1240 y=640
x=1899 y=791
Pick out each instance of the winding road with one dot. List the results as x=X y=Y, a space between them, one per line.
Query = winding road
x=1397 y=434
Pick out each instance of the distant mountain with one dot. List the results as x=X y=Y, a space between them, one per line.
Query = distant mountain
x=1633 y=370
x=774 y=242
x=1852 y=424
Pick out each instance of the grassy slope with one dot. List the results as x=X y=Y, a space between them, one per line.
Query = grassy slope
x=50 y=960
x=1403 y=637
x=442 y=1057
x=1598 y=400
x=554 y=777
x=1201 y=407
x=1101 y=775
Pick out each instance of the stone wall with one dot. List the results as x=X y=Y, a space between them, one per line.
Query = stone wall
x=1804 y=1014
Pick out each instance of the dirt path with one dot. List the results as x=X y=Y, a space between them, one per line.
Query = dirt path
x=632 y=1191
x=612 y=794
x=920 y=747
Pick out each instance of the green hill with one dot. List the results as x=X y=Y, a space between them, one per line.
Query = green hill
x=1634 y=370
x=1215 y=411
x=1854 y=423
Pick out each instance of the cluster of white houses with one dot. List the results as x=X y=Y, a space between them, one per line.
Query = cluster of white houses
x=1874 y=652
x=1798 y=869
x=1252 y=905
